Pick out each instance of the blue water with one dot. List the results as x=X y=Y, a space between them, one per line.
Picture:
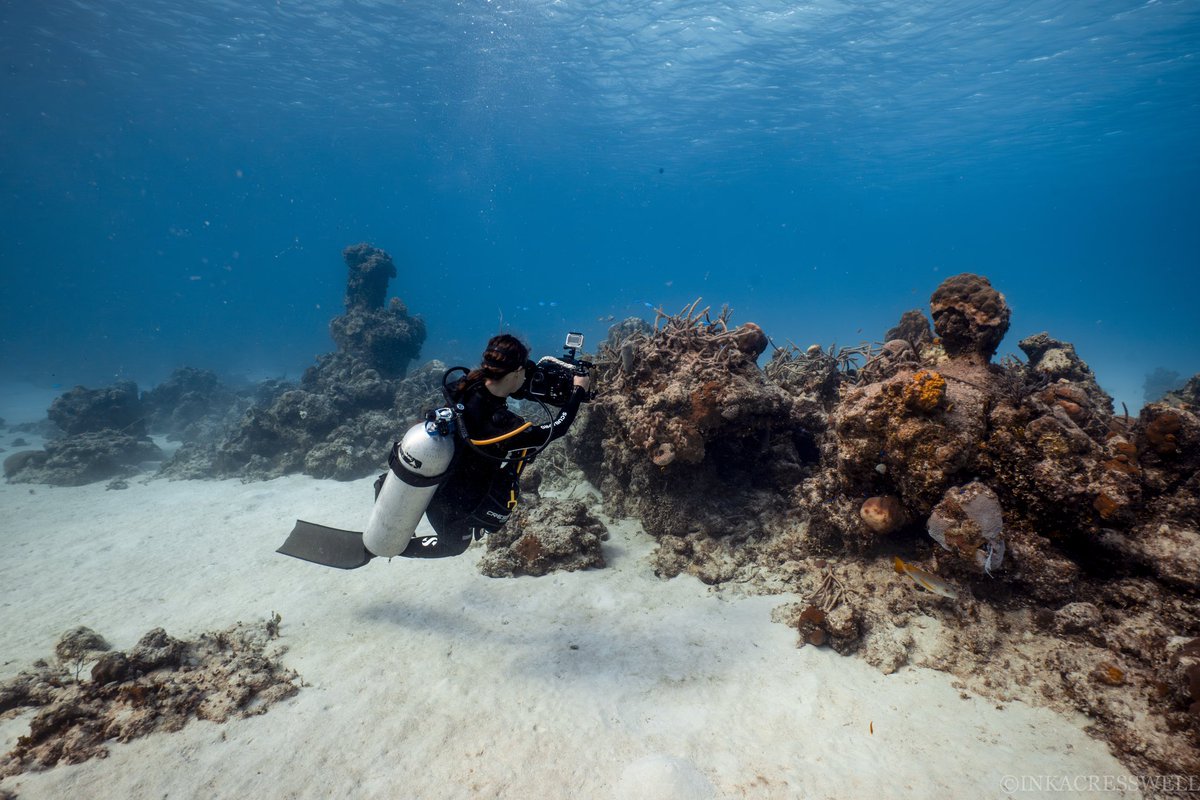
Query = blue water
x=177 y=179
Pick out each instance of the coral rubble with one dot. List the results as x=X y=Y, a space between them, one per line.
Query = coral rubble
x=547 y=536
x=158 y=685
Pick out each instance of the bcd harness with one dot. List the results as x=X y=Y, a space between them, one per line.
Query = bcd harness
x=511 y=463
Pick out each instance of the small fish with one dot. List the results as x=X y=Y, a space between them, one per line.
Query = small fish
x=647 y=305
x=926 y=580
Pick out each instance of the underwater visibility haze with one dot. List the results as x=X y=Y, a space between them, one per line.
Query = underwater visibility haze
x=178 y=180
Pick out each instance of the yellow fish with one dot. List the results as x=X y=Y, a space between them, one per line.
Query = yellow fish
x=926 y=580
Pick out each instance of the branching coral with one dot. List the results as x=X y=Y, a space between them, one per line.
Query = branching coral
x=830 y=593
x=696 y=331
x=817 y=370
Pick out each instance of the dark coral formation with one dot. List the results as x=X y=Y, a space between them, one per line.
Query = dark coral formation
x=82 y=459
x=382 y=339
x=98 y=434
x=1052 y=361
x=324 y=428
x=341 y=419
x=970 y=317
x=117 y=407
x=338 y=422
x=914 y=329
x=1188 y=396
x=158 y=685
x=192 y=405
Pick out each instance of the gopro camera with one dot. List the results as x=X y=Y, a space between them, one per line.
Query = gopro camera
x=551 y=380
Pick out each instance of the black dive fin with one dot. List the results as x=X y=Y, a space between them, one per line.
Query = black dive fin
x=328 y=546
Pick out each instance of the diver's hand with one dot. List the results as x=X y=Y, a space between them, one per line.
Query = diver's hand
x=584 y=381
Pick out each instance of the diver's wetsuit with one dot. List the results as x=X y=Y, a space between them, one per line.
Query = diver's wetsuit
x=481 y=493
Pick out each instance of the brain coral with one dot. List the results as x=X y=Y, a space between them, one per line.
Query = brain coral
x=969 y=315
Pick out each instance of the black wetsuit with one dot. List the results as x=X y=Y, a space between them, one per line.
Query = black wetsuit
x=482 y=492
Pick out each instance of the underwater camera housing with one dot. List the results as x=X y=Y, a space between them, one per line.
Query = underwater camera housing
x=551 y=380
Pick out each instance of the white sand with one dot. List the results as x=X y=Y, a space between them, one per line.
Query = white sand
x=425 y=679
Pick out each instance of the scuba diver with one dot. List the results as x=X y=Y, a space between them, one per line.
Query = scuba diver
x=461 y=467
x=483 y=487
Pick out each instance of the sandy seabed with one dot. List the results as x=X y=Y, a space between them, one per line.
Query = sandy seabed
x=425 y=679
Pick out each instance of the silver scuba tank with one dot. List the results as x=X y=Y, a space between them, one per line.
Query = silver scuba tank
x=417 y=464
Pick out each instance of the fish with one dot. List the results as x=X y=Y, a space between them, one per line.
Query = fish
x=926 y=580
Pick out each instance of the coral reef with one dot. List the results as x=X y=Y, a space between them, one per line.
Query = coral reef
x=1159 y=383
x=1188 y=396
x=81 y=459
x=913 y=329
x=117 y=407
x=1052 y=361
x=97 y=434
x=158 y=685
x=338 y=422
x=1045 y=548
x=683 y=417
x=997 y=520
x=383 y=339
x=348 y=407
x=192 y=405
x=1113 y=655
